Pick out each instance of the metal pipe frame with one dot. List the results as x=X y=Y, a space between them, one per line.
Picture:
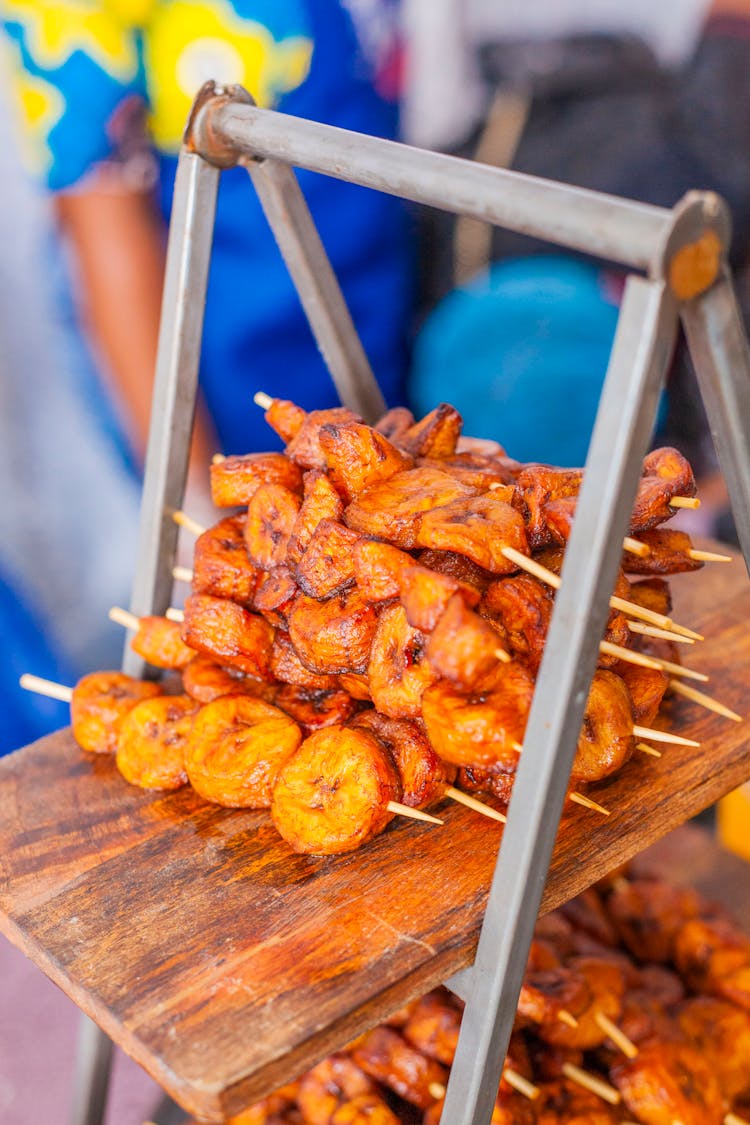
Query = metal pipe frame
x=224 y=130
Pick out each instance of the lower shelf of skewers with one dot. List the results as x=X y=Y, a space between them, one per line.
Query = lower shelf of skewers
x=635 y=1007
x=363 y=640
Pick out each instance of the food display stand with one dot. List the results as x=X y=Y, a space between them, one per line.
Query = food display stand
x=196 y=940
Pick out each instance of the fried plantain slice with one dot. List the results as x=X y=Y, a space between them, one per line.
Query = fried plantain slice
x=647 y=687
x=456 y=566
x=237 y=747
x=425 y=595
x=221 y=566
x=478 y=527
x=235 y=480
x=392 y=510
x=357 y=456
x=606 y=739
x=321 y=501
x=333 y=794
x=497 y=780
x=386 y=1056
x=159 y=642
x=377 y=569
x=462 y=647
x=100 y=702
x=275 y=594
x=365 y=1109
x=228 y=633
x=287 y=667
x=669 y=1082
x=332 y=1083
x=399 y=671
x=205 y=680
x=433 y=1025
x=473 y=469
x=480 y=730
x=327 y=566
x=435 y=435
x=395 y=422
x=356 y=685
x=271 y=515
x=669 y=553
x=333 y=636
x=152 y=741
x=523 y=605
x=314 y=709
x=305 y=448
x=651 y=593
x=666 y=473
x=423 y=775
x=537 y=486
x=286 y=418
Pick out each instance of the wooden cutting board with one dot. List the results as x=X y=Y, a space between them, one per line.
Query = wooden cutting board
x=225 y=964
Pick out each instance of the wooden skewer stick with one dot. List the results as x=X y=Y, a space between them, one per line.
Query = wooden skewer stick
x=261 y=399
x=46 y=687
x=704 y=700
x=680 y=670
x=659 y=634
x=618 y=1037
x=182 y=574
x=627 y=654
x=565 y=1017
x=191 y=525
x=124 y=617
x=691 y=502
x=709 y=556
x=635 y=547
x=416 y=814
x=631 y=608
x=733 y=1119
x=592 y=1083
x=217 y=458
x=646 y=749
x=473 y=803
x=436 y=1090
x=663 y=736
x=520 y=1084
x=173 y=614
x=587 y=803
x=501 y=655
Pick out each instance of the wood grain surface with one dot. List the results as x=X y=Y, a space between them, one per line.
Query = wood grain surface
x=225 y=964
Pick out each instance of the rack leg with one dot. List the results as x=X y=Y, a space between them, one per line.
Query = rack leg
x=721 y=357
x=175 y=386
x=91 y=1080
x=306 y=259
x=643 y=345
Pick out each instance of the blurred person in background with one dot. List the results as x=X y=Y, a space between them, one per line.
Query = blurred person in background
x=641 y=100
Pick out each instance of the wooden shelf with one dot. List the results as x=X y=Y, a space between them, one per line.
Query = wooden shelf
x=225 y=964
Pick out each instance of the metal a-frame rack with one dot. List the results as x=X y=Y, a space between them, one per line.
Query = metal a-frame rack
x=682 y=253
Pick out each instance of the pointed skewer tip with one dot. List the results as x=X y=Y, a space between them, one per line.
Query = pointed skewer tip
x=261 y=399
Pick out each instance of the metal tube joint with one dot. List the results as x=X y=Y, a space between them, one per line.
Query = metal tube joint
x=200 y=136
x=693 y=253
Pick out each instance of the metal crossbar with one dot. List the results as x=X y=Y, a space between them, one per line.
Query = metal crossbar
x=683 y=252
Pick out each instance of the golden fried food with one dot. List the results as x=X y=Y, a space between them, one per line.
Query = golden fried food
x=329 y=1085
x=314 y=709
x=480 y=730
x=395 y=422
x=152 y=741
x=603 y=990
x=357 y=456
x=221 y=566
x=435 y=435
x=286 y=418
x=537 y=486
x=474 y=469
x=713 y=956
x=235 y=480
x=433 y=1026
x=377 y=569
x=229 y=634
x=275 y=595
x=669 y=1082
x=398 y=670
x=237 y=747
x=367 y=1109
x=425 y=595
x=333 y=794
x=100 y=702
x=393 y=509
x=423 y=776
x=651 y=593
x=357 y=686
x=462 y=646
x=305 y=448
x=279 y=1108
x=606 y=739
x=321 y=502
x=587 y=915
x=497 y=780
x=563 y=1103
x=547 y=992
x=669 y=553
x=666 y=474
x=327 y=565
x=333 y=636
x=456 y=566
x=523 y=606
x=205 y=680
x=648 y=914
x=647 y=687
x=385 y=1055
x=287 y=667
x=271 y=516
x=159 y=642
x=478 y=527
x=721 y=1032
